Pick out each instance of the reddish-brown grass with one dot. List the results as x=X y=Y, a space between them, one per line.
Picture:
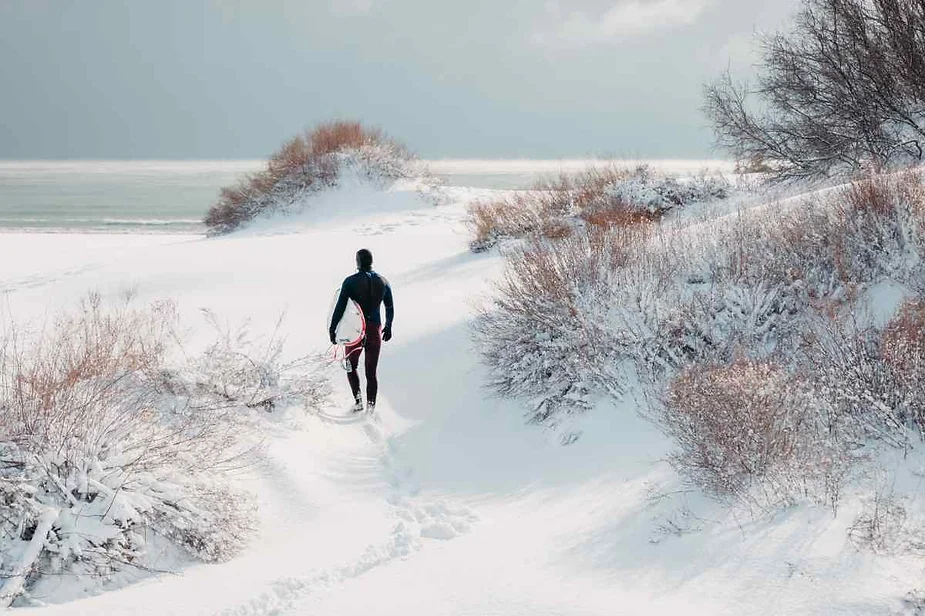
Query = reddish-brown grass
x=307 y=156
x=873 y=194
x=619 y=217
x=837 y=242
x=734 y=423
x=902 y=348
x=547 y=277
x=885 y=197
x=903 y=339
x=551 y=206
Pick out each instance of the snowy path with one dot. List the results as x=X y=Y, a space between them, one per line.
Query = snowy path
x=418 y=520
x=448 y=504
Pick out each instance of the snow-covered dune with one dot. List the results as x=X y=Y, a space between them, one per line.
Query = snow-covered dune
x=448 y=503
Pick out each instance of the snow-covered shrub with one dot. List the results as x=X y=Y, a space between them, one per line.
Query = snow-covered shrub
x=749 y=425
x=879 y=222
x=238 y=371
x=873 y=380
x=572 y=315
x=603 y=307
x=110 y=438
x=536 y=332
x=519 y=215
x=312 y=162
x=828 y=247
x=864 y=397
x=598 y=196
x=660 y=193
x=902 y=346
x=885 y=524
x=578 y=316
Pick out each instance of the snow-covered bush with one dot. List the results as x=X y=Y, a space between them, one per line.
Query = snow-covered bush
x=902 y=347
x=850 y=375
x=748 y=424
x=889 y=522
x=308 y=163
x=520 y=215
x=598 y=196
x=662 y=193
x=873 y=380
x=884 y=221
x=238 y=371
x=782 y=285
x=537 y=331
x=111 y=439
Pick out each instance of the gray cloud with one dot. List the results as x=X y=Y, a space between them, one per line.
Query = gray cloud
x=233 y=78
x=615 y=21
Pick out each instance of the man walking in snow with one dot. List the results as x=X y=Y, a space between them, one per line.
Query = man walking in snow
x=369 y=290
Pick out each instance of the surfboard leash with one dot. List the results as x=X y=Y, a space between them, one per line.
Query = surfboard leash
x=344 y=356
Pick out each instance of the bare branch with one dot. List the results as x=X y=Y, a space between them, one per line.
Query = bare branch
x=843 y=91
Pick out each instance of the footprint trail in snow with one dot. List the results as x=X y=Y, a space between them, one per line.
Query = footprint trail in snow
x=418 y=521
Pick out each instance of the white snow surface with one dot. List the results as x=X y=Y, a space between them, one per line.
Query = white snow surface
x=446 y=503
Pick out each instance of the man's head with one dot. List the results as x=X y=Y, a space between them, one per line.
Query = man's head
x=364 y=260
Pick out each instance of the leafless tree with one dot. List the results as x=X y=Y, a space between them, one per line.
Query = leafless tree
x=843 y=91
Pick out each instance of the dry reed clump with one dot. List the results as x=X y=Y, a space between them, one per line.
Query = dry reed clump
x=598 y=196
x=902 y=348
x=748 y=430
x=310 y=161
x=561 y=273
x=903 y=339
x=827 y=248
x=519 y=215
x=879 y=223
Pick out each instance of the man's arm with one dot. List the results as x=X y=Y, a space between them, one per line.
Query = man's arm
x=339 y=309
x=389 y=305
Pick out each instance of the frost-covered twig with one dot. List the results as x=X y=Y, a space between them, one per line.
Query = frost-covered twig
x=16 y=583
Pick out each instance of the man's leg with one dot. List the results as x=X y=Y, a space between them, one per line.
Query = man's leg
x=373 y=344
x=353 y=356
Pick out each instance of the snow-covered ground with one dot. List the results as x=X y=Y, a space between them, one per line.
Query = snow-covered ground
x=448 y=503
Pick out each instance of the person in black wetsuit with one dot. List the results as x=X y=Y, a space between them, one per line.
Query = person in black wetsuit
x=369 y=290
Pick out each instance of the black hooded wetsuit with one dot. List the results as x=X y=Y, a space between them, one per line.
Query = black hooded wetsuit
x=369 y=290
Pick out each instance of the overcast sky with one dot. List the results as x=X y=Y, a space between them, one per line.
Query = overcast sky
x=450 y=78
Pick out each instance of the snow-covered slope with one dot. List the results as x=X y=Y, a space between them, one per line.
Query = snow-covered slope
x=448 y=504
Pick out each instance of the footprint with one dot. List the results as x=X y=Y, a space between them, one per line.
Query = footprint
x=439 y=530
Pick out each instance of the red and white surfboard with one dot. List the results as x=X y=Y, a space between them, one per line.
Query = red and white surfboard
x=352 y=326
